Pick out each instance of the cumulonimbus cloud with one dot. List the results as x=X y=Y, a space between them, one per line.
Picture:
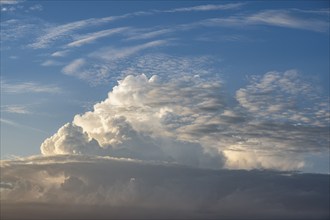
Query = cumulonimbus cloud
x=144 y=118
x=185 y=118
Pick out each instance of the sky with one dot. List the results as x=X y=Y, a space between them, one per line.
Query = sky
x=98 y=97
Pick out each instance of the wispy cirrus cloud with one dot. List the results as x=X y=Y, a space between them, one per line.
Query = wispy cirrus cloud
x=51 y=63
x=295 y=19
x=19 y=125
x=279 y=18
x=10 y=2
x=60 y=53
x=58 y=32
x=284 y=18
x=55 y=33
x=28 y=87
x=209 y=7
x=142 y=34
x=119 y=53
x=91 y=37
x=17 y=109
x=74 y=66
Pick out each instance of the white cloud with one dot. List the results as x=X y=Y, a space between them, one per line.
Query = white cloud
x=89 y=70
x=17 y=109
x=151 y=34
x=10 y=2
x=286 y=19
x=59 y=32
x=16 y=29
x=279 y=18
x=61 y=53
x=19 y=125
x=208 y=7
x=104 y=65
x=36 y=7
x=279 y=96
x=138 y=118
x=69 y=139
x=51 y=63
x=104 y=187
x=91 y=37
x=74 y=67
x=28 y=87
x=181 y=115
x=237 y=159
x=110 y=53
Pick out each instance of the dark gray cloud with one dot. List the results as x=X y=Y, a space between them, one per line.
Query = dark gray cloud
x=102 y=187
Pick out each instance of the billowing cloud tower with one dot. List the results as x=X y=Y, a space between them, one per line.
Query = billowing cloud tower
x=191 y=120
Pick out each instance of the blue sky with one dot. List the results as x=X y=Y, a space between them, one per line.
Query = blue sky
x=58 y=59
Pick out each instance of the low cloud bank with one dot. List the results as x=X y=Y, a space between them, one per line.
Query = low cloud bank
x=73 y=186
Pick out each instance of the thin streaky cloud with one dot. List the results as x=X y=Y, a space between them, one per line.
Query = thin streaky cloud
x=16 y=109
x=18 y=125
x=54 y=33
x=119 y=53
x=74 y=66
x=10 y=2
x=91 y=37
x=286 y=19
x=61 y=53
x=36 y=7
x=279 y=18
x=152 y=34
x=51 y=63
x=208 y=7
x=324 y=11
x=28 y=87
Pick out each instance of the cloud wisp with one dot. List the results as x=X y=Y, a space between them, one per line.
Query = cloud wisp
x=19 y=125
x=279 y=18
x=294 y=19
x=98 y=66
x=17 y=109
x=10 y=2
x=28 y=87
x=89 y=38
x=209 y=7
x=110 y=54
x=55 y=33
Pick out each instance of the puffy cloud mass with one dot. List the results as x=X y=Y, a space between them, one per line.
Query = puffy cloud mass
x=146 y=118
x=85 y=187
x=188 y=118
